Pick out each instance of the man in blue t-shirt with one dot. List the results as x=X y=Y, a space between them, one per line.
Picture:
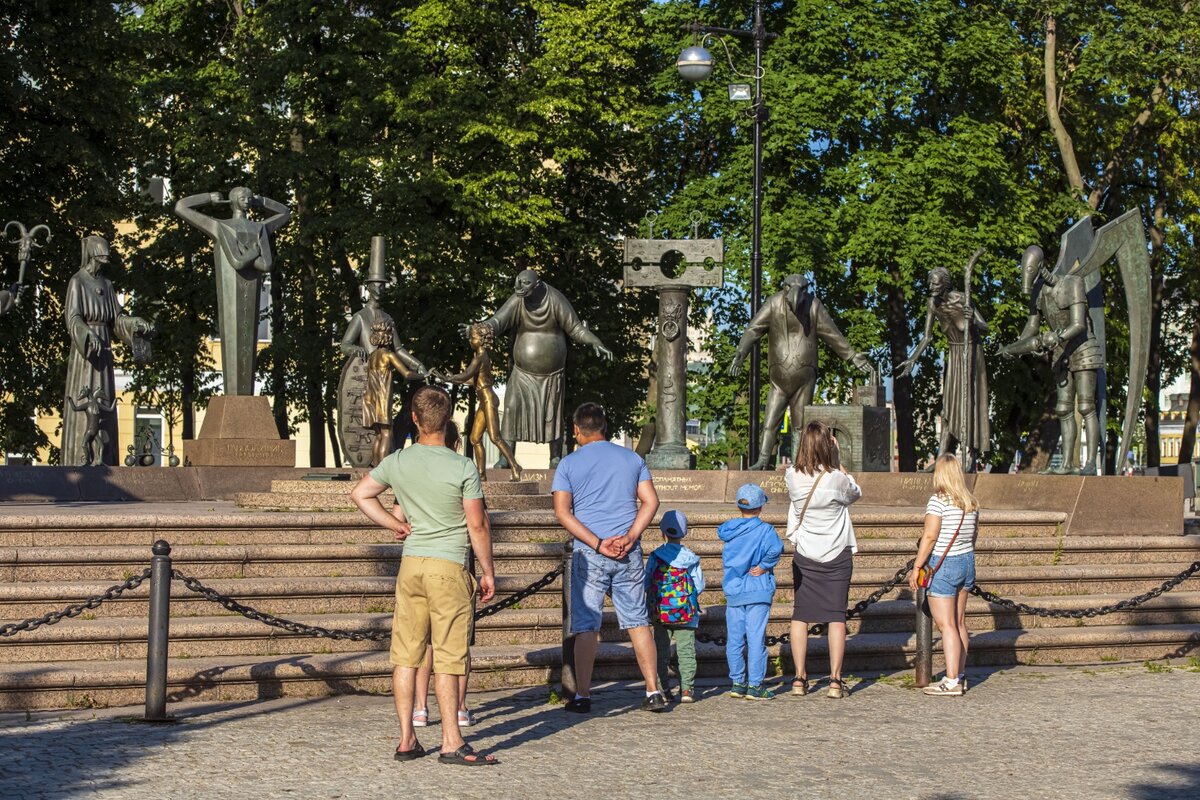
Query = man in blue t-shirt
x=597 y=490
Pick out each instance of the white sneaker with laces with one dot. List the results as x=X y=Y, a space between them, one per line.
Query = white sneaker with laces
x=944 y=689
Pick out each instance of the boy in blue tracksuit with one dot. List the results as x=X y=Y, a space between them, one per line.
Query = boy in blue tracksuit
x=752 y=549
x=674 y=582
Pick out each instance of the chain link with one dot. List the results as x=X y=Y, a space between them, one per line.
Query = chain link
x=113 y=592
x=1088 y=613
x=820 y=628
x=301 y=629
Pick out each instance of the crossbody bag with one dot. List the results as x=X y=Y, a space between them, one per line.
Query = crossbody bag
x=925 y=574
x=795 y=532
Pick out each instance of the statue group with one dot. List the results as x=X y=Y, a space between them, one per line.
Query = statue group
x=1065 y=325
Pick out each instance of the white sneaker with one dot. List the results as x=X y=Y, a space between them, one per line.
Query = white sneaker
x=465 y=720
x=944 y=689
x=420 y=717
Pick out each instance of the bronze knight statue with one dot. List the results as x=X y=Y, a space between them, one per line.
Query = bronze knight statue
x=793 y=320
x=1068 y=300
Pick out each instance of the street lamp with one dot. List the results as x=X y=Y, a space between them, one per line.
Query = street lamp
x=695 y=64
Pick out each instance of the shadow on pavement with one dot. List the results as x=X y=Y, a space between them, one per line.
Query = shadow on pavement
x=1181 y=782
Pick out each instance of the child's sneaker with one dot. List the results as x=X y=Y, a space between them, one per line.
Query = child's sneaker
x=687 y=696
x=759 y=693
x=944 y=689
x=738 y=690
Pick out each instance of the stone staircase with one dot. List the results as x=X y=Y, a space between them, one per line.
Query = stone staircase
x=335 y=570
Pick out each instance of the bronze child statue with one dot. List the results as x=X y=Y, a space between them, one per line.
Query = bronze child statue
x=93 y=406
x=487 y=415
x=377 y=400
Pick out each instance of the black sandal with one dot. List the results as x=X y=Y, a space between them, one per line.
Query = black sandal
x=467 y=757
x=411 y=755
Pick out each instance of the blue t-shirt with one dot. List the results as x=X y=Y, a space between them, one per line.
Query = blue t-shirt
x=602 y=478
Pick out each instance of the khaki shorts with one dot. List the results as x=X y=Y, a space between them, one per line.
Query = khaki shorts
x=434 y=605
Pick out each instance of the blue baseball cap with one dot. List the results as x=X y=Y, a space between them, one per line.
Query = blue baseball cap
x=673 y=524
x=751 y=496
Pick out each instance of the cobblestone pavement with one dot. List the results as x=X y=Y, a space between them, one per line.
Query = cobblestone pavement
x=1021 y=733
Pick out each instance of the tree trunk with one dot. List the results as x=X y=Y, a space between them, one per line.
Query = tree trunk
x=1066 y=147
x=898 y=334
x=278 y=367
x=187 y=395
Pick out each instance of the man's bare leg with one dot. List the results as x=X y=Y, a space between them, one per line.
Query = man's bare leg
x=404 y=681
x=585 y=658
x=647 y=655
x=446 y=687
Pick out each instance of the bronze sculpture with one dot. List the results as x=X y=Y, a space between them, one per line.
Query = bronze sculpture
x=357 y=439
x=25 y=241
x=965 y=420
x=540 y=319
x=93 y=407
x=94 y=317
x=242 y=255
x=793 y=319
x=377 y=400
x=1068 y=299
x=487 y=410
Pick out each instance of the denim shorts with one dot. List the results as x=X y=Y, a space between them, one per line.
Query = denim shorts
x=956 y=573
x=594 y=575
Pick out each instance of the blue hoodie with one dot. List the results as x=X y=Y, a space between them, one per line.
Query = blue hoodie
x=749 y=542
x=678 y=556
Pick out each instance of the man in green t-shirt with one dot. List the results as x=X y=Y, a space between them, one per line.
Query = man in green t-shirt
x=441 y=513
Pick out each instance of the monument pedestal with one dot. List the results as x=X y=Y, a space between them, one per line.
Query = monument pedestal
x=864 y=434
x=670 y=456
x=239 y=431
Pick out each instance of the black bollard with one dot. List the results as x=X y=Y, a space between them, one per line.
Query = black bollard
x=157 y=638
x=924 y=658
x=567 y=678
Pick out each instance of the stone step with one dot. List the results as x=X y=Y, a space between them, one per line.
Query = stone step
x=75 y=684
x=491 y=489
x=227 y=525
x=246 y=561
x=285 y=501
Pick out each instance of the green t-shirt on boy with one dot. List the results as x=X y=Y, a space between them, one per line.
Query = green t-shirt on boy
x=430 y=483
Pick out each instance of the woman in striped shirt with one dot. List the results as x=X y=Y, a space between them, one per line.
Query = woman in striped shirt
x=948 y=547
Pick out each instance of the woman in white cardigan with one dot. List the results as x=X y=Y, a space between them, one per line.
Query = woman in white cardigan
x=821 y=492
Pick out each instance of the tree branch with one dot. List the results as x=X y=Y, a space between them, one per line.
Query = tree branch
x=1066 y=147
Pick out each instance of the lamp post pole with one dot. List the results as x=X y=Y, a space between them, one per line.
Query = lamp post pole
x=695 y=64
x=756 y=277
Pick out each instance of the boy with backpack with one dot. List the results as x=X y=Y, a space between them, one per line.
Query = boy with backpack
x=752 y=549
x=674 y=582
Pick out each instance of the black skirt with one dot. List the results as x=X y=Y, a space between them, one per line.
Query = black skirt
x=822 y=589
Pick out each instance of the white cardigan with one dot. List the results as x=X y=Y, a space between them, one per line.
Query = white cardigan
x=826 y=530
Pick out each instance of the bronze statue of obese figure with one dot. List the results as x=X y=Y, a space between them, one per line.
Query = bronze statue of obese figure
x=487 y=410
x=793 y=320
x=377 y=400
x=540 y=320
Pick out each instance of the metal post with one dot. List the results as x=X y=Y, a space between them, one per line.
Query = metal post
x=567 y=677
x=756 y=235
x=156 y=640
x=923 y=662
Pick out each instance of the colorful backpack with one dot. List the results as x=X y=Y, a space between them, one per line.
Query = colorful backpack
x=677 y=602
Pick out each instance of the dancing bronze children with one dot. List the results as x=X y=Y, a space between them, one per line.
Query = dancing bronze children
x=242 y=255
x=793 y=320
x=540 y=319
x=487 y=411
x=377 y=400
x=94 y=317
x=965 y=420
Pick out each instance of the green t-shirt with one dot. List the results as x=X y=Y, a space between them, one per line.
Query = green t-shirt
x=430 y=483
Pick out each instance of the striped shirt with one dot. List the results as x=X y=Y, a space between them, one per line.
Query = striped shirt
x=951 y=516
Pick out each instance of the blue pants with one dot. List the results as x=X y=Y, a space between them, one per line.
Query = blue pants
x=745 y=635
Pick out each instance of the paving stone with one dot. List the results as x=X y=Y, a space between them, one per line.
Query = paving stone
x=1026 y=732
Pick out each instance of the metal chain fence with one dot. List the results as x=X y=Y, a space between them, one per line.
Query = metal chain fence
x=1087 y=613
x=92 y=603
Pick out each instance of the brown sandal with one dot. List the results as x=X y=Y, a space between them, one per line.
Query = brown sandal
x=799 y=687
x=837 y=688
